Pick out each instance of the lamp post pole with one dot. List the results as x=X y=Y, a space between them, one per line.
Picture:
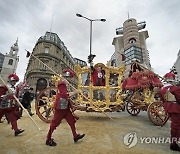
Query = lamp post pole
x=91 y=20
x=90 y=37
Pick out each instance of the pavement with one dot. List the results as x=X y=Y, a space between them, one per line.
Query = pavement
x=125 y=134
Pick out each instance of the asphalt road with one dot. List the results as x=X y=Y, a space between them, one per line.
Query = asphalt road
x=103 y=136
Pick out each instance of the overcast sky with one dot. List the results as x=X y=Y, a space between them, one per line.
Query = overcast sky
x=30 y=19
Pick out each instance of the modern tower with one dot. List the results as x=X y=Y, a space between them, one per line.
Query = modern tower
x=131 y=42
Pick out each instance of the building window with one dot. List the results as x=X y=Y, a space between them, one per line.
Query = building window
x=132 y=40
x=46 y=50
x=14 y=52
x=63 y=56
x=10 y=62
x=55 y=64
x=133 y=53
x=113 y=62
x=41 y=84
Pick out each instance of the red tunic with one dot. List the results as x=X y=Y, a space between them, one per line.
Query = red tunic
x=60 y=114
x=172 y=108
x=13 y=112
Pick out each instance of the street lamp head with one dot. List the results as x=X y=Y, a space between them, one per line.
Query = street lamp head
x=78 y=15
x=103 y=20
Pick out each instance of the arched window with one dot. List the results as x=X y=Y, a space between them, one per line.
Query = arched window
x=46 y=50
x=113 y=62
x=41 y=84
x=132 y=40
x=10 y=62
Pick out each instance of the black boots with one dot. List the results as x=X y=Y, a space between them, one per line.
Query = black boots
x=18 y=132
x=174 y=147
x=78 y=137
x=51 y=142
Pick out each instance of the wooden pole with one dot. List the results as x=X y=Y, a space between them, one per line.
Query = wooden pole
x=68 y=83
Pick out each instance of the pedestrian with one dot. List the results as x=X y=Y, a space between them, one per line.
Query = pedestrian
x=170 y=96
x=27 y=99
x=8 y=105
x=6 y=118
x=63 y=110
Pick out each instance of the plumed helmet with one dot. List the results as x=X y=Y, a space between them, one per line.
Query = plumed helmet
x=169 y=76
x=13 y=77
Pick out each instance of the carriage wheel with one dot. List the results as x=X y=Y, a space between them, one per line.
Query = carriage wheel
x=131 y=109
x=157 y=114
x=44 y=104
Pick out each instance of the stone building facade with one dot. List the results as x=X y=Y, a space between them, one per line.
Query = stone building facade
x=176 y=67
x=50 y=50
x=1 y=60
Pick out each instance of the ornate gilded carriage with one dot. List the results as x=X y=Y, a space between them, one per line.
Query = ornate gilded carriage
x=100 y=98
x=146 y=100
x=143 y=87
x=107 y=98
x=92 y=98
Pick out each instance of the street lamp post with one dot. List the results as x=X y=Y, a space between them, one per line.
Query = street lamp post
x=91 y=20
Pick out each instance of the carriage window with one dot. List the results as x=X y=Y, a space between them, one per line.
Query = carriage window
x=112 y=95
x=86 y=79
x=99 y=95
x=113 y=80
x=98 y=76
x=86 y=93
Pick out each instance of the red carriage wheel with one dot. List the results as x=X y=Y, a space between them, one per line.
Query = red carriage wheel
x=157 y=114
x=132 y=109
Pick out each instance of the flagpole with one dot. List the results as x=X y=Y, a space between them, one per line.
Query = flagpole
x=17 y=100
x=68 y=83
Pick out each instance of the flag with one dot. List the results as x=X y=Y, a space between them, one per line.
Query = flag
x=28 y=54
x=123 y=57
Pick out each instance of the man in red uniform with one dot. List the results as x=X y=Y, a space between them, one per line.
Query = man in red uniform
x=8 y=104
x=170 y=95
x=63 y=110
x=97 y=76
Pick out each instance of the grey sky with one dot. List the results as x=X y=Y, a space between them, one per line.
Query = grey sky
x=30 y=19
